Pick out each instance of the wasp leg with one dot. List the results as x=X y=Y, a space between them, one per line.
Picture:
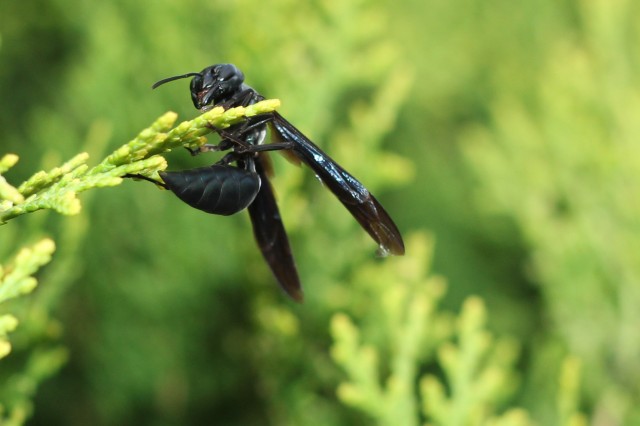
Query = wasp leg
x=148 y=179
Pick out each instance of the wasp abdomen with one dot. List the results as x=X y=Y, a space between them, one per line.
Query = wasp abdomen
x=217 y=189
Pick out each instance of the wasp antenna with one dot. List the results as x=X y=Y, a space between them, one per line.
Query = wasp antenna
x=177 y=77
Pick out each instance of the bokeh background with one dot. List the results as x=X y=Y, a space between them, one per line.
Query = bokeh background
x=502 y=136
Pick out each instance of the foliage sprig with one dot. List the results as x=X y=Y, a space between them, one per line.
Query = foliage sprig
x=57 y=189
x=16 y=279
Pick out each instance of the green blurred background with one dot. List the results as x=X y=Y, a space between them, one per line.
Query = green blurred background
x=507 y=132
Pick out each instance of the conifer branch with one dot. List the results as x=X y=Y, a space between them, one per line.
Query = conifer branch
x=16 y=279
x=57 y=189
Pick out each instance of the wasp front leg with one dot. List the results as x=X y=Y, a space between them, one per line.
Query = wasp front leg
x=223 y=145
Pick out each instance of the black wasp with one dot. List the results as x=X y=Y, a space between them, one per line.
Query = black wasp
x=226 y=189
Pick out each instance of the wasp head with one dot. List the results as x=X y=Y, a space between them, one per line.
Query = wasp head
x=211 y=86
x=215 y=84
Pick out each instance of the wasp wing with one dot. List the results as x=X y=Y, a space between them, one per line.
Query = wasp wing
x=270 y=234
x=356 y=198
